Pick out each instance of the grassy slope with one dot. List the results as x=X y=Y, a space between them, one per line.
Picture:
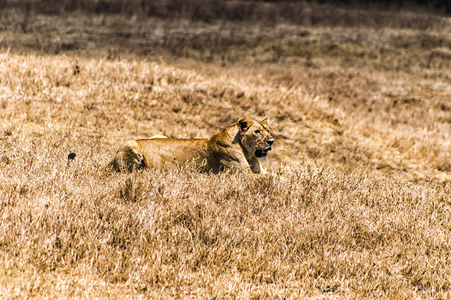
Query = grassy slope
x=358 y=204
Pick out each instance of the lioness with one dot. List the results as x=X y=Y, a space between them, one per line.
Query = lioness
x=239 y=147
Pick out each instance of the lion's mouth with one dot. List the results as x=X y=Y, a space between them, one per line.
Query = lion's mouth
x=262 y=153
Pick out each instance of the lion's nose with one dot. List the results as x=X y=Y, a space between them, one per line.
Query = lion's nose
x=270 y=142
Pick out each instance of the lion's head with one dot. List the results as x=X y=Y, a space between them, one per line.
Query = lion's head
x=255 y=137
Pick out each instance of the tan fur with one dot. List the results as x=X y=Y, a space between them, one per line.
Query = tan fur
x=235 y=148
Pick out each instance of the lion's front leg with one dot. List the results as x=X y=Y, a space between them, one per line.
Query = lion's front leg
x=241 y=164
x=256 y=166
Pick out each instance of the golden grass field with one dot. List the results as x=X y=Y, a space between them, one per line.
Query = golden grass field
x=357 y=203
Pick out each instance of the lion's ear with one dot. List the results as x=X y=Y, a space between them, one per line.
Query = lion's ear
x=244 y=124
x=265 y=122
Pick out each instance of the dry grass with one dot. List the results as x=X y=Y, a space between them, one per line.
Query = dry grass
x=357 y=205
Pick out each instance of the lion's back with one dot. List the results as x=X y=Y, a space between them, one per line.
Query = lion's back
x=160 y=152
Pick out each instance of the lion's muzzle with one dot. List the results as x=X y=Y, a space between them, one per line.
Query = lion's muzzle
x=264 y=152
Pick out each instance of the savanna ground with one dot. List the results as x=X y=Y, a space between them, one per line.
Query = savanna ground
x=357 y=204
